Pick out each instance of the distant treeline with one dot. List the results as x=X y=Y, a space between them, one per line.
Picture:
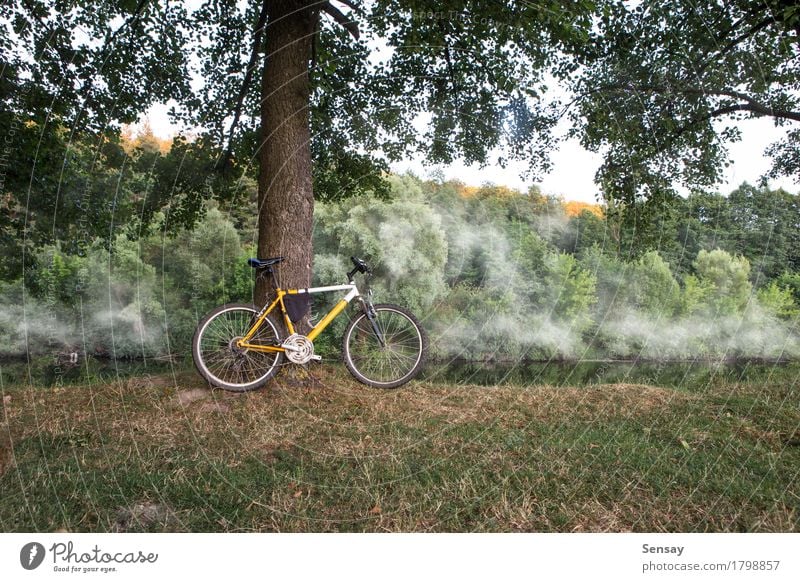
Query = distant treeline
x=494 y=273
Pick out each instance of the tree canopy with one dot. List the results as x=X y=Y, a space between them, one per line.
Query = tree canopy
x=662 y=84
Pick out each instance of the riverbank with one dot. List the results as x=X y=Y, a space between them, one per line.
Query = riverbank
x=319 y=452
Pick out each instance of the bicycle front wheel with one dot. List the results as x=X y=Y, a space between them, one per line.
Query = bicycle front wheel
x=221 y=362
x=389 y=363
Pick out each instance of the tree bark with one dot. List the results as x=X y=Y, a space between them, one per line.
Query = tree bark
x=285 y=190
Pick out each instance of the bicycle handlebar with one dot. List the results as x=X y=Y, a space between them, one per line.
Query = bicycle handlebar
x=360 y=267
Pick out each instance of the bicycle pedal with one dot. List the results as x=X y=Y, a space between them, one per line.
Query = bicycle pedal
x=316 y=358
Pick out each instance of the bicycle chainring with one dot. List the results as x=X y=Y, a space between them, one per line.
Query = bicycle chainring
x=299 y=349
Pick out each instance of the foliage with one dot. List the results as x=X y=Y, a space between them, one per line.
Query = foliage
x=585 y=230
x=136 y=299
x=778 y=300
x=402 y=240
x=791 y=281
x=652 y=288
x=728 y=281
x=71 y=73
x=671 y=71
x=476 y=72
x=571 y=289
x=694 y=296
x=481 y=266
x=760 y=228
x=74 y=72
x=553 y=282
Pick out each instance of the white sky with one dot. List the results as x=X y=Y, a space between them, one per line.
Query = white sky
x=573 y=167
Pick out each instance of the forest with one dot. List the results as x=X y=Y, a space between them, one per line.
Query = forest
x=291 y=114
x=494 y=273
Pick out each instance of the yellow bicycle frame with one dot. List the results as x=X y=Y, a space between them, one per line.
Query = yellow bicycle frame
x=315 y=331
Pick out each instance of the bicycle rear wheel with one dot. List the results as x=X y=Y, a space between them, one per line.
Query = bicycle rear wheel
x=397 y=360
x=223 y=364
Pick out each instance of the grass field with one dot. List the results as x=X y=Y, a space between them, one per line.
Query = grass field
x=316 y=451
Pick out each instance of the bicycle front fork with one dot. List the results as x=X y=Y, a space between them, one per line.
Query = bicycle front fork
x=369 y=311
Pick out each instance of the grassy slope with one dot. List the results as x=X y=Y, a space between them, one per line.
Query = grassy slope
x=332 y=455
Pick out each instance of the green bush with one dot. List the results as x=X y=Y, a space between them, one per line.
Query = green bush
x=570 y=289
x=655 y=290
x=728 y=281
x=791 y=281
x=401 y=239
x=778 y=301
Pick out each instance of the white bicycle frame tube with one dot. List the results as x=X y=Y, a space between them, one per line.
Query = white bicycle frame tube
x=349 y=297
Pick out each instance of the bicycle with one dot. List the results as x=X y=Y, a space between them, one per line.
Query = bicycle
x=240 y=348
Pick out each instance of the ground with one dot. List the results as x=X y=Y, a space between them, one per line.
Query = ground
x=316 y=451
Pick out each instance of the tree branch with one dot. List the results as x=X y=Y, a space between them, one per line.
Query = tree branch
x=447 y=58
x=763 y=111
x=741 y=38
x=751 y=104
x=349 y=24
x=248 y=78
x=686 y=127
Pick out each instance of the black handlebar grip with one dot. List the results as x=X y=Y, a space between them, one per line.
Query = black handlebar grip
x=360 y=265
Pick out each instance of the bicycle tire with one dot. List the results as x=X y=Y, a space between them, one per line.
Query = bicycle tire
x=394 y=364
x=221 y=363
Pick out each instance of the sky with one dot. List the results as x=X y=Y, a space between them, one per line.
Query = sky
x=572 y=176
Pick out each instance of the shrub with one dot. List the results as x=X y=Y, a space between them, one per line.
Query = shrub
x=728 y=281
x=778 y=301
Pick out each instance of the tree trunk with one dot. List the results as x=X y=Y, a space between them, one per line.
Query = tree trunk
x=285 y=191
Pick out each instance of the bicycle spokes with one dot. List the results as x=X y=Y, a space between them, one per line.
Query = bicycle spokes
x=220 y=358
x=385 y=349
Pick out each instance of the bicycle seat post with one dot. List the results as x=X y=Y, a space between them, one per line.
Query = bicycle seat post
x=269 y=274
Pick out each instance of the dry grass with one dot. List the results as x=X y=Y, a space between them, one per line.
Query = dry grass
x=319 y=452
